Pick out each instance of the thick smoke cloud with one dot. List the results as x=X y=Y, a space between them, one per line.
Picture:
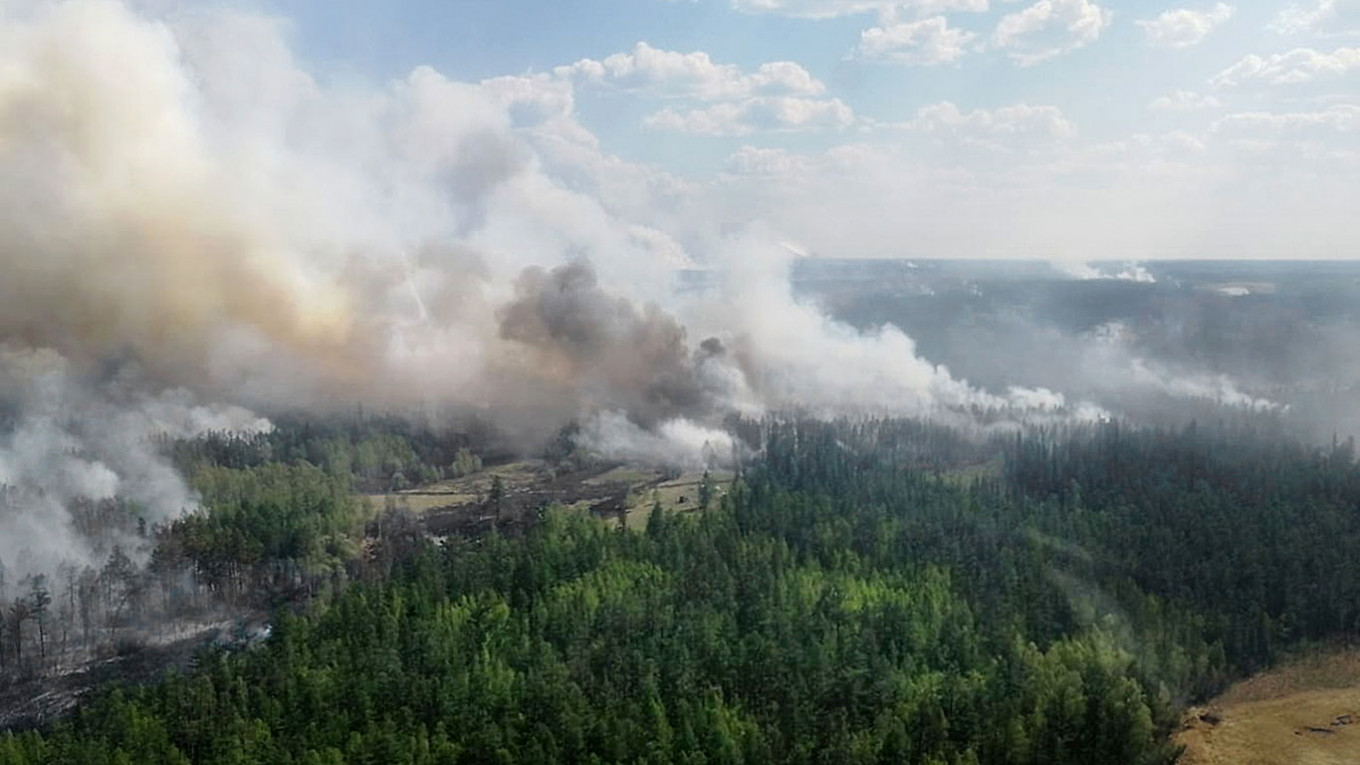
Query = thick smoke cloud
x=794 y=356
x=181 y=191
x=178 y=191
x=604 y=349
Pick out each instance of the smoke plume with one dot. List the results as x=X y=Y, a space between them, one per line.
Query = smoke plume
x=178 y=191
x=72 y=443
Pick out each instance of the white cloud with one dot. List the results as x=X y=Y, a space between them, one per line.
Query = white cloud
x=1326 y=17
x=889 y=10
x=534 y=98
x=690 y=75
x=1184 y=101
x=1141 y=196
x=1297 y=66
x=926 y=42
x=1296 y=18
x=1048 y=29
x=1184 y=27
x=777 y=96
x=1341 y=118
x=781 y=113
x=752 y=160
x=1137 y=152
x=1005 y=121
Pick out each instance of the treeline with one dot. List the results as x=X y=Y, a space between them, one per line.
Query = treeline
x=380 y=453
x=265 y=531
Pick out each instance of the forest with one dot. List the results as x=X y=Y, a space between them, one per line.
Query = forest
x=867 y=591
x=942 y=382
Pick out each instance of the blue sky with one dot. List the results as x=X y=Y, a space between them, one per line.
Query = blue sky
x=1105 y=83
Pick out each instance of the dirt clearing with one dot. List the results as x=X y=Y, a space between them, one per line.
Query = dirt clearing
x=1304 y=713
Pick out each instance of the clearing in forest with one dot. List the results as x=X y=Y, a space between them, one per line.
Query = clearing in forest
x=680 y=494
x=1306 y=712
x=626 y=492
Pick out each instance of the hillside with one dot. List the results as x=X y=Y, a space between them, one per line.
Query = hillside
x=1304 y=713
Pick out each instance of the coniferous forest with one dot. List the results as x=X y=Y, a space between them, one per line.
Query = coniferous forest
x=865 y=592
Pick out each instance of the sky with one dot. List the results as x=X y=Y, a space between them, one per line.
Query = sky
x=1056 y=129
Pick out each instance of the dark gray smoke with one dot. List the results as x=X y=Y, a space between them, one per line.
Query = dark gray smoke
x=606 y=350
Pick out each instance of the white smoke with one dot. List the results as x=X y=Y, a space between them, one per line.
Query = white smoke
x=677 y=443
x=177 y=190
x=1111 y=352
x=181 y=188
x=798 y=358
x=1128 y=272
x=75 y=441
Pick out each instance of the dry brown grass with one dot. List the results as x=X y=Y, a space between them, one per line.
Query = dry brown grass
x=459 y=492
x=632 y=488
x=1304 y=713
x=678 y=495
x=417 y=503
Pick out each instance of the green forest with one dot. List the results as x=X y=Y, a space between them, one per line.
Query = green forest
x=868 y=591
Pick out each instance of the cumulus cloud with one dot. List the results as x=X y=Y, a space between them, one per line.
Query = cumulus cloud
x=1048 y=29
x=1184 y=101
x=1184 y=27
x=779 y=96
x=1298 y=66
x=888 y=10
x=755 y=160
x=1018 y=120
x=1340 y=118
x=926 y=42
x=756 y=114
x=671 y=74
x=1326 y=17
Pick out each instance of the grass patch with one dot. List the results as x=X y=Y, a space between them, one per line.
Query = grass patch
x=677 y=495
x=1307 y=711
